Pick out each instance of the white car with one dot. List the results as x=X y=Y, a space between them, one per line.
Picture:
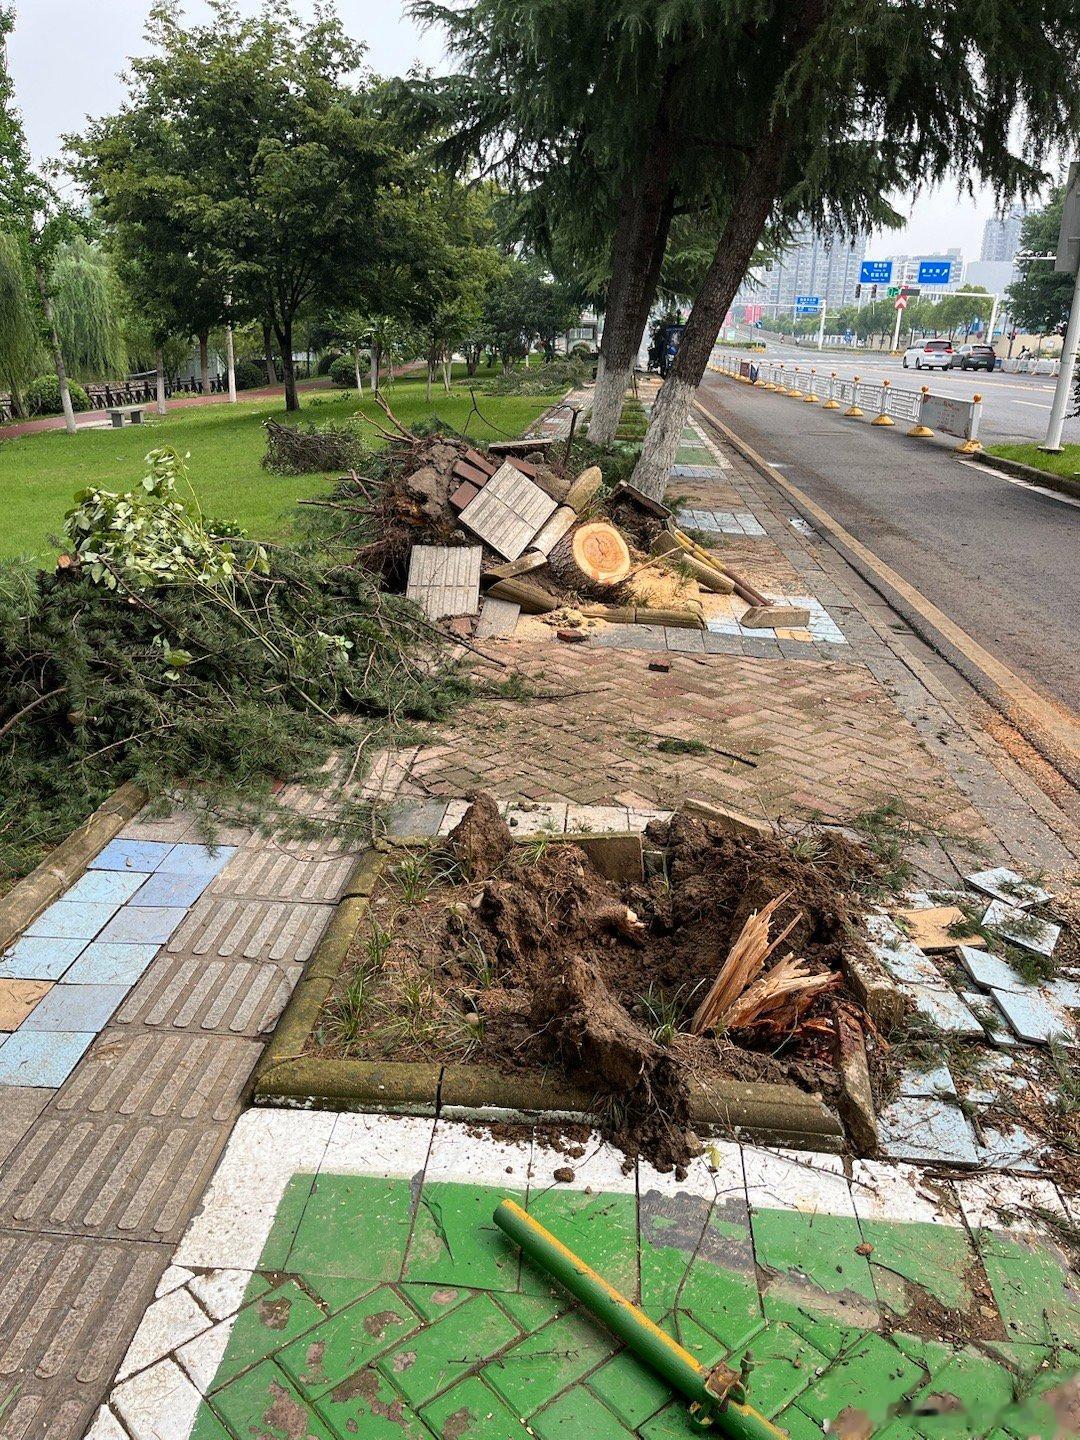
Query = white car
x=929 y=355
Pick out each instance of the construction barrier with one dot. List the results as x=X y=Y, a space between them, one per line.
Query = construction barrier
x=883 y=403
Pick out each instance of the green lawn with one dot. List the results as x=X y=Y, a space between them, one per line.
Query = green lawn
x=40 y=473
x=1066 y=463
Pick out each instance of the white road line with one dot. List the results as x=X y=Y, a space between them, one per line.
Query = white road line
x=1035 y=404
x=1024 y=484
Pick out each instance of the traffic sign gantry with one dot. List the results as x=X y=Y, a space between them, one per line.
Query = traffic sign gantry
x=935 y=272
x=871 y=271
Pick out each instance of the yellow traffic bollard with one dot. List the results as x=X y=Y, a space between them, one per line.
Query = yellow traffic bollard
x=882 y=418
x=853 y=409
x=919 y=431
x=810 y=398
x=831 y=403
x=971 y=447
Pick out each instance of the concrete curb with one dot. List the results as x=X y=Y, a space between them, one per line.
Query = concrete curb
x=1046 y=478
x=25 y=901
x=286 y=1077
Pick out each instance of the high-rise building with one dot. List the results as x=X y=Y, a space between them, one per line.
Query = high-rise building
x=1001 y=235
x=822 y=265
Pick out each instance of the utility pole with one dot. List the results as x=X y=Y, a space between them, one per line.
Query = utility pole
x=1067 y=259
x=821 y=328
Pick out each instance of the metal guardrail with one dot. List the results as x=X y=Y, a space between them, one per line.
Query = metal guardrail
x=880 y=400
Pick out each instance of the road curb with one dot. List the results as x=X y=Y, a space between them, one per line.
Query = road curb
x=1046 y=478
x=63 y=865
x=1052 y=732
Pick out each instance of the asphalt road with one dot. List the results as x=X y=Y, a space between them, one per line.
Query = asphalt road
x=1015 y=407
x=1002 y=560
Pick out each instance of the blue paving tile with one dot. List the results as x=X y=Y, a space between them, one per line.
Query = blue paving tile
x=165 y=888
x=74 y=1008
x=106 y=886
x=197 y=859
x=144 y=855
x=73 y=919
x=110 y=964
x=30 y=959
x=42 y=1058
x=142 y=925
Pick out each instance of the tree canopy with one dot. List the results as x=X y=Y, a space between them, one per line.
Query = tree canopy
x=1039 y=300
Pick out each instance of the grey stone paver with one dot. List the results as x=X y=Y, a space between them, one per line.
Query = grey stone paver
x=231 y=996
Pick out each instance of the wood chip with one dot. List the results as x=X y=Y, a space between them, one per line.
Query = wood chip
x=929 y=929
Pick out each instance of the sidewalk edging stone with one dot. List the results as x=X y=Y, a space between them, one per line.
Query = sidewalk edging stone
x=63 y=865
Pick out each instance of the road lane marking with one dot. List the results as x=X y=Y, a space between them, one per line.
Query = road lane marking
x=1024 y=484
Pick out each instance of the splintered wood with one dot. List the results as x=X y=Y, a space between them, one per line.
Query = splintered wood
x=445 y=579
x=741 y=996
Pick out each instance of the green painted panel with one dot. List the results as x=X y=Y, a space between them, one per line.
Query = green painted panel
x=600 y=1229
x=264 y=1403
x=784 y=1366
x=342 y=1345
x=367 y=1405
x=270 y=1323
x=456 y=1242
x=354 y=1226
x=434 y=1358
x=545 y=1363
x=872 y=1377
x=629 y=1387
x=434 y=1301
x=471 y=1411
x=577 y=1414
x=286 y=1219
x=909 y=1258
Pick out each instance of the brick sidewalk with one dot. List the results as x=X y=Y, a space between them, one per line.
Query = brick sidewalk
x=105 y=1171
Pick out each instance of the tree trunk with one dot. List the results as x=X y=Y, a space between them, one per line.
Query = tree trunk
x=159 y=361
x=204 y=364
x=285 y=340
x=590 y=558
x=447 y=365
x=268 y=353
x=376 y=366
x=359 y=377
x=230 y=362
x=54 y=346
x=646 y=207
x=749 y=211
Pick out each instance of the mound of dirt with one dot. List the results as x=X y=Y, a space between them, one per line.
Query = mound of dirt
x=539 y=963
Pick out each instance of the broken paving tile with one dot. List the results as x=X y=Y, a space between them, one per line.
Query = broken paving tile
x=1032 y=1016
x=926 y=1129
x=1011 y=1149
x=946 y=1010
x=989 y=970
x=1021 y=928
x=899 y=955
x=1005 y=884
x=921 y=1083
x=934 y=929
x=995 y=1073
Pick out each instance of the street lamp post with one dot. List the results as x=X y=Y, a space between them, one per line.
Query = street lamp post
x=1067 y=259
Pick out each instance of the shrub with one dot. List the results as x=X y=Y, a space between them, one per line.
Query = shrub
x=43 y=396
x=326 y=360
x=249 y=374
x=343 y=371
x=563 y=374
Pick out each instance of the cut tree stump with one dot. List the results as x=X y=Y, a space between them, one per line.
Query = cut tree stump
x=593 y=556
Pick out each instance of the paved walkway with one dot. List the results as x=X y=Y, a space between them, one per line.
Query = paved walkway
x=344 y=1278
x=107 y=1155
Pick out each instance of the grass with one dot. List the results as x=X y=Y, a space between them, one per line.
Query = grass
x=1066 y=463
x=40 y=473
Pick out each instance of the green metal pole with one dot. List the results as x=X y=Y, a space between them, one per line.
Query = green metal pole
x=717 y=1397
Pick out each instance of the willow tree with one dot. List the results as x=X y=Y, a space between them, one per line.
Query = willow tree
x=88 y=306
x=20 y=343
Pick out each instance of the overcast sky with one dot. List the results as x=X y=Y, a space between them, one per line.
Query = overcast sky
x=66 y=57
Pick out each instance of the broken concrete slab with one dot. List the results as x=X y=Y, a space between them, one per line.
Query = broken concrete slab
x=1032 y=1016
x=1011 y=1149
x=899 y=955
x=1001 y=883
x=508 y=511
x=445 y=579
x=923 y=1084
x=989 y=970
x=498 y=619
x=1025 y=930
x=927 y=1129
x=946 y=1010
x=735 y=822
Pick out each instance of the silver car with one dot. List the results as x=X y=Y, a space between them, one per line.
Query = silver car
x=929 y=355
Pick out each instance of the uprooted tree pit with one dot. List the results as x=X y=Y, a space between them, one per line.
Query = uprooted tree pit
x=521 y=957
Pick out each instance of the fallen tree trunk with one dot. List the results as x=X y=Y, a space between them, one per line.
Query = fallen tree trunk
x=593 y=556
x=666 y=548
x=532 y=599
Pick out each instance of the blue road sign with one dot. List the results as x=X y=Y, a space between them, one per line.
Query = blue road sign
x=875 y=272
x=807 y=304
x=935 y=272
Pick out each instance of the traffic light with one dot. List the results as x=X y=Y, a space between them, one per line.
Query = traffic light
x=858 y=291
x=873 y=292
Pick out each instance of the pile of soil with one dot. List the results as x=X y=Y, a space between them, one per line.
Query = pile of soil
x=524 y=958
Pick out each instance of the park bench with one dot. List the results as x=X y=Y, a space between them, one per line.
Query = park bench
x=117 y=413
